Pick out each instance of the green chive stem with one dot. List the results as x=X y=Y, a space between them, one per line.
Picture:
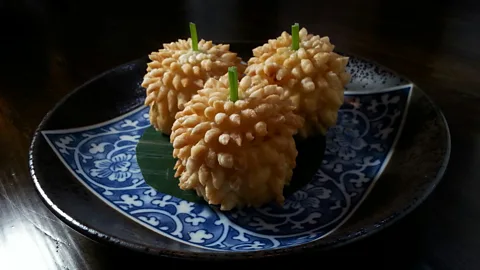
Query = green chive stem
x=193 y=34
x=295 y=37
x=233 y=81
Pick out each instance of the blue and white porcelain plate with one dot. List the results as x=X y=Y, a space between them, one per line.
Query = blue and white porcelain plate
x=101 y=157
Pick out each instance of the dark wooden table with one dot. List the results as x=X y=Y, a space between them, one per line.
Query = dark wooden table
x=49 y=47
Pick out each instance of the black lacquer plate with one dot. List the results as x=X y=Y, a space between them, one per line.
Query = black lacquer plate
x=386 y=154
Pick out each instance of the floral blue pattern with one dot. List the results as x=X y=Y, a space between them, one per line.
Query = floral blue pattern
x=103 y=158
x=115 y=169
x=345 y=142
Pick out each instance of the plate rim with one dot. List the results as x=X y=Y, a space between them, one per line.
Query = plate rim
x=105 y=238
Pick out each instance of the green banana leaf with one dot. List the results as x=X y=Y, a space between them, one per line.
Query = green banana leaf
x=154 y=157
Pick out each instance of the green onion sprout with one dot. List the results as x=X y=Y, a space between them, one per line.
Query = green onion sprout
x=233 y=81
x=295 y=37
x=193 y=34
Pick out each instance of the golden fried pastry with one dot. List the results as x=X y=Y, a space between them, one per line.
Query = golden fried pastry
x=236 y=153
x=177 y=72
x=313 y=76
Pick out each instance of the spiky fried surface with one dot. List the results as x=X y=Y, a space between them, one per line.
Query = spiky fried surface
x=175 y=73
x=236 y=154
x=313 y=76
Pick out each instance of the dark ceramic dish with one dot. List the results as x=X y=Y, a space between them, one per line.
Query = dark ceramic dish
x=407 y=153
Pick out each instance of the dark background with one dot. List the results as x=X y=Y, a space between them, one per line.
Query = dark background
x=47 y=48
